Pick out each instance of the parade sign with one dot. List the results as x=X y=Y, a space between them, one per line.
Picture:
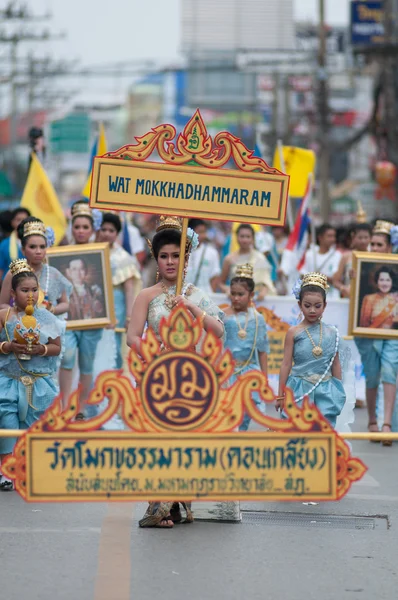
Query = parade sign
x=190 y=182
x=181 y=439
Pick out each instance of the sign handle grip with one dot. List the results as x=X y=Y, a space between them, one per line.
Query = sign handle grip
x=181 y=265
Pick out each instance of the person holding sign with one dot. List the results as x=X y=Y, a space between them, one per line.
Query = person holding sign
x=247 y=254
x=246 y=331
x=156 y=302
x=311 y=364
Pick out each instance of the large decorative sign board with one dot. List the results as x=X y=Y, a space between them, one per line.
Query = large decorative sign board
x=190 y=182
x=181 y=439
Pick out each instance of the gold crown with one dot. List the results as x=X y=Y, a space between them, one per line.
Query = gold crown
x=244 y=271
x=315 y=279
x=35 y=228
x=81 y=209
x=20 y=265
x=383 y=227
x=361 y=213
x=169 y=223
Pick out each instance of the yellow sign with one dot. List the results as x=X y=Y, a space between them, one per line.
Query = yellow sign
x=190 y=182
x=182 y=441
x=124 y=466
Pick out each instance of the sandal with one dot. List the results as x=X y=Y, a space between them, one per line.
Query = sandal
x=175 y=513
x=6 y=486
x=373 y=428
x=80 y=417
x=386 y=442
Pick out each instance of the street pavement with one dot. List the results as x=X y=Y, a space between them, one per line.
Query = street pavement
x=294 y=552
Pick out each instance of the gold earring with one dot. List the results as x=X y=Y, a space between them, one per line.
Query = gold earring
x=157 y=275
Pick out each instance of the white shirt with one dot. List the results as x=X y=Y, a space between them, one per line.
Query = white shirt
x=203 y=265
x=327 y=264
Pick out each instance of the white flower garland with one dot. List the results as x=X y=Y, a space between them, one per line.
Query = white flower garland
x=326 y=370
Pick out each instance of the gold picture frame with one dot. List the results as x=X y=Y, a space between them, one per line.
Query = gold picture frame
x=95 y=262
x=373 y=307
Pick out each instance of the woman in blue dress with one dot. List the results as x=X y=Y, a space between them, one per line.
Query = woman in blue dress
x=245 y=330
x=27 y=387
x=126 y=278
x=311 y=364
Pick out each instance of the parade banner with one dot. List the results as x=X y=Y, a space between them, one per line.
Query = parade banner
x=181 y=437
x=190 y=182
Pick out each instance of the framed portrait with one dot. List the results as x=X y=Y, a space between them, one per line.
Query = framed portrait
x=88 y=268
x=374 y=296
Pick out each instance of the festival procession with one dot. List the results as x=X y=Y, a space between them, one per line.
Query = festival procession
x=199 y=302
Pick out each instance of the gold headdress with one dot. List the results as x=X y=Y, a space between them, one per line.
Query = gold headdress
x=169 y=223
x=20 y=265
x=244 y=271
x=81 y=209
x=383 y=227
x=35 y=228
x=361 y=213
x=315 y=279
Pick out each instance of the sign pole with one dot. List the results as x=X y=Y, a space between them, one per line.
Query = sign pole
x=289 y=212
x=181 y=265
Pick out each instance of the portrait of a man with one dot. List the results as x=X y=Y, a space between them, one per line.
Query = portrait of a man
x=87 y=299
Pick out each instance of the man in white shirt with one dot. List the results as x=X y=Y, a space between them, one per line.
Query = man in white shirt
x=204 y=262
x=324 y=258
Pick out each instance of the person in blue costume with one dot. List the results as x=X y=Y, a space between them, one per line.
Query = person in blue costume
x=245 y=330
x=311 y=364
x=380 y=356
x=54 y=289
x=27 y=387
x=10 y=247
x=126 y=278
x=82 y=343
x=156 y=302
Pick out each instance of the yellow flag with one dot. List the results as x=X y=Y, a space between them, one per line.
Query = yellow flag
x=298 y=163
x=99 y=148
x=234 y=239
x=40 y=198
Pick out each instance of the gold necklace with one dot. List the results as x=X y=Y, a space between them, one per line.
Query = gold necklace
x=316 y=350
x=169 y=299
x=242 y=333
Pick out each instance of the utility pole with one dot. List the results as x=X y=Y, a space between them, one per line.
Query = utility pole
x=323 y=119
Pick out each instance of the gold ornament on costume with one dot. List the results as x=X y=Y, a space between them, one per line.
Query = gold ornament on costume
x=317 y=279
x=361 y=213
x=20 y=265
x=244 y=271
x=169 y=223
x=316 y=349
x=81 y=210
x=383 y=227
x=35 y=228
x=27 y=330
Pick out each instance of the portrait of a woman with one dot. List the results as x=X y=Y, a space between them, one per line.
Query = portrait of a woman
x=379 y=310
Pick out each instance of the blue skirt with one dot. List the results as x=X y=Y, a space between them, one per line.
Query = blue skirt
x=329 y=397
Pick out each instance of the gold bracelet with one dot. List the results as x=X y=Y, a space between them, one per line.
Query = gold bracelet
x=202 y=317
x=45 y=350
x=2 y=348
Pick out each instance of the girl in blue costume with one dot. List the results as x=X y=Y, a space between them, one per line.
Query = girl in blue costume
x=55 y=289
x=311 y=364
x=380 y=357
x=156 y=302
x=27 y=387
x=245 y=329
x=82 y=343
x=126 y=278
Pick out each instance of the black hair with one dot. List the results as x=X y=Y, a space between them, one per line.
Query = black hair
x=361 y=227
x=113 y=220
x=19 y=276
x=21 y=228
x=18 y=210
x=244 y=281
x=164 y=237
x=323 y=229
x=245 y=226
x=193 y=223
x=312 y=289
x=387 y=270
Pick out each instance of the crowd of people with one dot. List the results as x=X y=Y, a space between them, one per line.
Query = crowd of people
x=248 y=263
